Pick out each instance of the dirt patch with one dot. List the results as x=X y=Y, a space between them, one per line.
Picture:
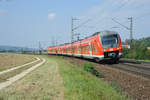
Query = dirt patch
x=7 y=75
x=135 y=87
x=12 y=78
x=12 y=60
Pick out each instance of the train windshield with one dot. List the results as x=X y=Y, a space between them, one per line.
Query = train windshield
x=110 y=41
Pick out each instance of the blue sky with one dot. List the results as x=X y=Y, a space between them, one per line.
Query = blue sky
x=26 y=22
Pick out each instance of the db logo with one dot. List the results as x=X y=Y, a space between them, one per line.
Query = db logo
x=111 y=49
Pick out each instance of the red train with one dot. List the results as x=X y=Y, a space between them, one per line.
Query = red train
x=99 y=46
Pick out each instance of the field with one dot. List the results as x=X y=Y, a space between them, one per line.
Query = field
x=12 y=60
x=42 y=84
x=59 y=80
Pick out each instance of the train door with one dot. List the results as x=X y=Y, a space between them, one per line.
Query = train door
x=56 y=51
x=96 y=47
x=90 y=49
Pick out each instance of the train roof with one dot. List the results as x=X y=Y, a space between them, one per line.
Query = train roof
x=102 y=33
x=106 y=33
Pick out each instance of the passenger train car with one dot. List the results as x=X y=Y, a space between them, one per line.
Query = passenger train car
x=100 y=46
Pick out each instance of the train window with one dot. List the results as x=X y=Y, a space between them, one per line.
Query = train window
x=80 y=49
x=74 y=49
x=84 y=48
x=95 y=42
x=87 y=48
x=93 y=47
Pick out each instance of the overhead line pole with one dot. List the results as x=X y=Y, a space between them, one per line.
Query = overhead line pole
x=131 y=27
x=72 y=34
x=40 y=48
x=72 y=31
x=74 y=28
x=78 y=36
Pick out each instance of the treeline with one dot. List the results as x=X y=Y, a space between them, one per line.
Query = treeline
x=138 y=49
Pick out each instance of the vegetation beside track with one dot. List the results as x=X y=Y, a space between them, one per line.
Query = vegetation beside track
x=144 y=60
x=139 y=49
x=81 y=85
x=90 y=68
x=8 y=61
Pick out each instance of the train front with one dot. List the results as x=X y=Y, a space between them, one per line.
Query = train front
x=111 y=45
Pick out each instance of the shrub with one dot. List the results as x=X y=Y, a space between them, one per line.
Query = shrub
x=90 y=68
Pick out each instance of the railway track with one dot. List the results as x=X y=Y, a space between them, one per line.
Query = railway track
x=139 y=68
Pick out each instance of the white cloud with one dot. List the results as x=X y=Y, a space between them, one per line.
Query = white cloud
x=51 y=16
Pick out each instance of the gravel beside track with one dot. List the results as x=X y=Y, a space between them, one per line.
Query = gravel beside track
x=137 y=69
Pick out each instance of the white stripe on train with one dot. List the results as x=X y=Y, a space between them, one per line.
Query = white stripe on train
x=101 y=57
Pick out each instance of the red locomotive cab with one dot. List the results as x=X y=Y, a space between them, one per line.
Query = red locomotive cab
x=111 y=45
x=120 y=50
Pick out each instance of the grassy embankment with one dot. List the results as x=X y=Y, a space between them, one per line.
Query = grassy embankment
x=45 y=83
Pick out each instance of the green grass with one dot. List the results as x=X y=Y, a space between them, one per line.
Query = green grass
x=81 y=85
x=138 y=60
x=116 y=87
x=90 y=68
x=144 y=60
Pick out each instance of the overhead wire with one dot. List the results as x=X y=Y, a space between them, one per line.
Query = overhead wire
x=122 y=5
